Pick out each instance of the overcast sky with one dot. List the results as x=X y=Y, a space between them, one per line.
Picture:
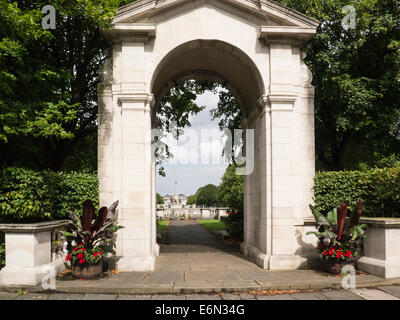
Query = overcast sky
x=197 y=155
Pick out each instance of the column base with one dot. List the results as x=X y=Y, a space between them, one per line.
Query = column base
x=261 y=259
x=287 y=262
x=30 y=275
x=138 y=264
x=378 y=267
x=274 y=262
x=156 y=249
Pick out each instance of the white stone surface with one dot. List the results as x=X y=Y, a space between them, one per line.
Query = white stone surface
x=373 y=294
x=381 y=247
x=29 y=253
x=255 y=52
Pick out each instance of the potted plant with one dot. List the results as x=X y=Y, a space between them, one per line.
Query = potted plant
x=337 y=236
x=89 y=238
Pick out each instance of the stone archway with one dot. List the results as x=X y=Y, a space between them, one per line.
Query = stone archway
x=252 y=47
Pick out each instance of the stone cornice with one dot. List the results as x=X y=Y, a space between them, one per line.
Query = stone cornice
x=33 y=227
x=384 y=223
x=130 y=32
x=266 y=8
x=286 y=34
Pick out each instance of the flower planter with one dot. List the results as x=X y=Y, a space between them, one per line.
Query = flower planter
x=87 y=271
x=334 y=266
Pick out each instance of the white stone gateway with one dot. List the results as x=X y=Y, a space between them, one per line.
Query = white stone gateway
x=251 y=47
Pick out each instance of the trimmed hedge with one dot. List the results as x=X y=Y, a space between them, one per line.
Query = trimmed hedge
x=378 y=188
x=33 y=196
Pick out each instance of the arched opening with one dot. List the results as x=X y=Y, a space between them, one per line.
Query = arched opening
x=213 y=61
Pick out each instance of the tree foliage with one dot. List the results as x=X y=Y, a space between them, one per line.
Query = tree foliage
x=48 y=78
x=356 y=74
x=207 y=196
x=230 y=191
x=159 y=199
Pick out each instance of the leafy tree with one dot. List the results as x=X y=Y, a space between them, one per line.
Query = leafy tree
x=191 y=200
x=159 y=199
x=230 y=191
x=356 y=74
x=207 y=196
x=49 y=79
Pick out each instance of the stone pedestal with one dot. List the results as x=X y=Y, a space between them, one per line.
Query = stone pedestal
x=381 y=247
x=29 y=252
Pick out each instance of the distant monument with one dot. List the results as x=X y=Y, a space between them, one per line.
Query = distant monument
x=176 y=206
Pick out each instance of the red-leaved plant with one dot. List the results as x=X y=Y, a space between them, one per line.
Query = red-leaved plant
x=92 y=234
x=336 y=233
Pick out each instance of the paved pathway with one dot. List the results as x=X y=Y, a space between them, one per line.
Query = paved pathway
x=196 y=263
x=380 y=293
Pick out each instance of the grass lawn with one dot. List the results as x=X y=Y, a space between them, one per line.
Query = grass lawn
x=162 y=225
x=213 y=224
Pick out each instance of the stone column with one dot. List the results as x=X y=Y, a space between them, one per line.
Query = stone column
x=291 y=164
x=137 y=243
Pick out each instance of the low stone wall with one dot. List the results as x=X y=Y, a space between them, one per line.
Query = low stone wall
x=381 y=247
x=33 y=251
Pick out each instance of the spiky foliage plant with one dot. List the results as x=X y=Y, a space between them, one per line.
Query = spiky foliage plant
x=93 y=231
x=337 y=233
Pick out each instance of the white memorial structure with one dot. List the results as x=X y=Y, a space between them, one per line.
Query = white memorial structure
x=251 y=47
x=254 y=49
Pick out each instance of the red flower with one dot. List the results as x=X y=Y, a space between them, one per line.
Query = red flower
x=81 y=244
x=75 y=249
x=339 y=254
x=100 y=253
x=68 y=257
x=80 y=255
x=95 y=254
x=82 y=261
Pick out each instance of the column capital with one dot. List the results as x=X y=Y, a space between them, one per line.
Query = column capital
x=136 y=101
x=282 y=101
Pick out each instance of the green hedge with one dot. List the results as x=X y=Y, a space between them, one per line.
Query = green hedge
x=32 y=196
x=378 y=188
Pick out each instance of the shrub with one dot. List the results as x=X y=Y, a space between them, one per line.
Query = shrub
x=235 y=224
x=378 y=188
x=33 y=196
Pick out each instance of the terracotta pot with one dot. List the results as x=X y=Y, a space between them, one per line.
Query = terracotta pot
x=335 y=267
x=87 y=271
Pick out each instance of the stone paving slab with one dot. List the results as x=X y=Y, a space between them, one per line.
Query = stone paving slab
x=164 y=276
x=91 y=296
x=203 y=297
x=392 y=290
x=8 y=295
x=373 y=294
x=275 y=297
x=133 y=297
x=65 y=296
x=212 y=276
x=309 y=296
x=168 y=297
x=341 y=295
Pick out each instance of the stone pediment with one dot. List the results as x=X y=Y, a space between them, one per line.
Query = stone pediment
x=263 y=12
